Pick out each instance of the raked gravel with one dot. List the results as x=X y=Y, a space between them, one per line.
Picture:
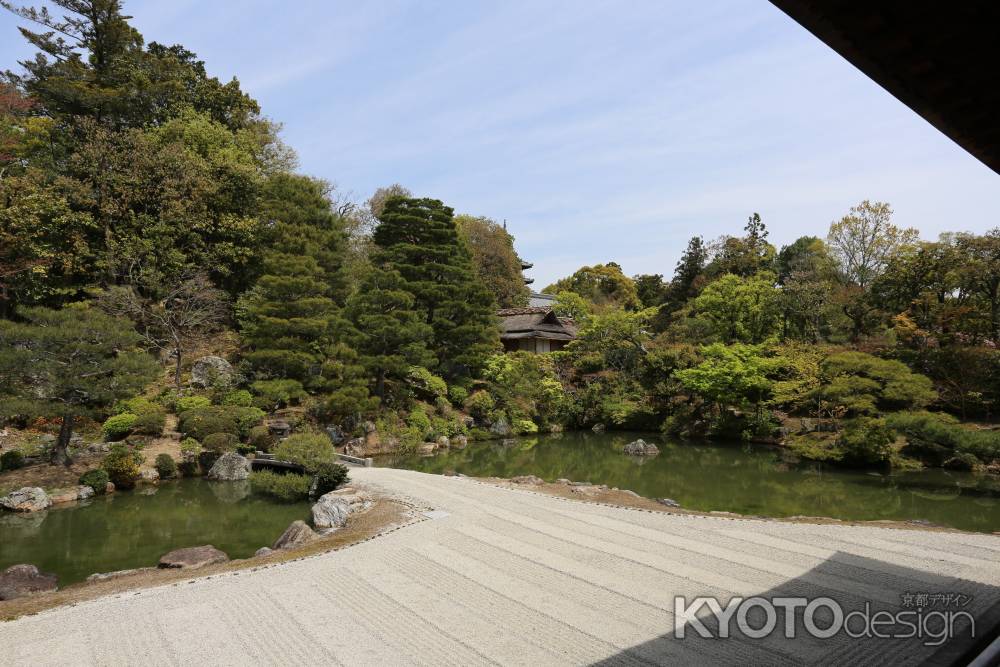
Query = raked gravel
x=510 y=576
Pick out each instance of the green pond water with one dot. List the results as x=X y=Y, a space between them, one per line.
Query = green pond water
x=735 y=478
x=134 y=528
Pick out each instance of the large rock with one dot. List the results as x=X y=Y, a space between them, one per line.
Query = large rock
x=211 y=370
x=230 y=467
x=443 y=442
x=20 y=580
x=501 y=427
x=459 y=442
x=332 y=509
x=192 y=557
x=297 y=534
x=641 y=448
x=27 y=499
x=71 y=494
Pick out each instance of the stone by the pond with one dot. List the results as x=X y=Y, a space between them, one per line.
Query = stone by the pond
x=109 y=487
x=501 y=427
x=527 y=479
x=444 y=442
x=230 y=467
x=459 y=442
x=263 y=551
x=71 y=494
x=426 y=448
x=212 y=370
x=149 y=476
x=641 y=448
x=297 y=534
x=333 y=508
x=117 y=574
x=27 y=499
x=20 y=580
x=192 y=557
x=669 y=502
x=598 y=428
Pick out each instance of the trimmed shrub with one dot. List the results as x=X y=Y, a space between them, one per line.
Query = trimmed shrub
x=122 y=465
x=220 y=443
x=260 y=438
x=419 y=420
x=150 y=422
x=97 y=479
x=426 y=383
x=290 y=487
x=937 y=438
x=246 y=419
x=245 y=449
x=329 y=476
x=117 y=427
x=240 y=398
x=135 y=406
x=479 y=404
x=524 y=426
x=277 y=393
x=457 y=394
x=11 y=460
x=185 y=403
x=166 y=466
x=198 y=423
x=307 y=449
x=866 y=441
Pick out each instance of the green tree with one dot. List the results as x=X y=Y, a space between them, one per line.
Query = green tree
x=69 y=363
x=392 y=332
x=730 y=375
x=650 y=289
x=603 y=285
x=741 y=309
x=494 y=258
x=981 y=274
x=855 y=383
x=291 y=319
x=417 y=238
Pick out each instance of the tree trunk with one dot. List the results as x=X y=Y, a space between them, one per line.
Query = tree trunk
x=60 y=450
x=380 y=384
x=177 y=368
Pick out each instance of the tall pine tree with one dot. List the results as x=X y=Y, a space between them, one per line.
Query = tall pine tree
x=418 y=238
x=291 y=319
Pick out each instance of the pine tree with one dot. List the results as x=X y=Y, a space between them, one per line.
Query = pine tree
x=291 y=319
x=69 y=363
x=393 y=333
x=417 y=238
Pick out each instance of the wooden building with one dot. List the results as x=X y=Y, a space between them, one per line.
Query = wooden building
x=534 y=329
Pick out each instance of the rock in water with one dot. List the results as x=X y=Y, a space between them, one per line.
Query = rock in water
x=27 y=499
x=192 y=557
x=332 y=509
x=297 y=534
x=211 y=370
x=20 y=580
x=641 y=448
x=459 y=442
x=230 y=467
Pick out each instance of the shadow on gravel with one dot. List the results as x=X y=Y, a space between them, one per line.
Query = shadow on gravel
x=949 y=620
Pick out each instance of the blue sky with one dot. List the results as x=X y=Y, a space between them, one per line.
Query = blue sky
x=600 y=130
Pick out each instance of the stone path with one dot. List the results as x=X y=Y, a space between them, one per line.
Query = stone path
x=507 y=576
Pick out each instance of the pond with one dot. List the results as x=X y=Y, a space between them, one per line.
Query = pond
x=134 y=528
x=734 y=478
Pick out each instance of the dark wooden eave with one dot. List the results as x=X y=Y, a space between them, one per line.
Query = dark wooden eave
x=938 y=58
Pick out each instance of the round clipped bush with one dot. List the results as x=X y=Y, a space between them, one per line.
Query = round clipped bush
x=220 y=443
x=117 y=427
x=200 y=422
x=97 y=479
x=246 y=419
x=150 y=422
x=122 y=465
x=186 y=403
x=525 y=426
x=479 y=404
x=290 y=487
x=240 y=398
x=135 y=406
x=329 y=476
x=165 y=466
x=307 y=449
x=457 y=394
x=11 y=460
